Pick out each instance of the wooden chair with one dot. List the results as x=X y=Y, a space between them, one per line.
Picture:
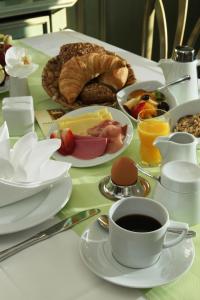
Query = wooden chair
x=194 y=36
x=154 y=9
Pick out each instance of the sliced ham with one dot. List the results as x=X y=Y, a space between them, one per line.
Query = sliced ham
x=96 y=130
x=113 y=131
x=89 y=147
x=115 y=138
x=114 y=144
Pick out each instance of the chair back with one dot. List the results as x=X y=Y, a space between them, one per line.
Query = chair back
x=155 y=11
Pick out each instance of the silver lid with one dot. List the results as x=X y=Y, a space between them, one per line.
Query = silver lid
x=183 y=54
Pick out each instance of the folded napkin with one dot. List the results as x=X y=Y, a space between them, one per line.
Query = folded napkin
x=27 y=161
x=186 y=287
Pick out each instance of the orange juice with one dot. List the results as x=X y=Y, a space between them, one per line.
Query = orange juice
x=148 y=131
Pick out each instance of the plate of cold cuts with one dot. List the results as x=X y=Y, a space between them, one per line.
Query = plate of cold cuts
x=91 y=135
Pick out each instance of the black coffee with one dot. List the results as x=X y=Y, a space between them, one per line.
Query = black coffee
x=138 y=223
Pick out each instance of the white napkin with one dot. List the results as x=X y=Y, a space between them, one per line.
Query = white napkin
x=4 y=142
x=29 y=160
x=6 y=169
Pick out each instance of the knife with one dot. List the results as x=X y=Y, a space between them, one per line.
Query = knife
x=49 y=232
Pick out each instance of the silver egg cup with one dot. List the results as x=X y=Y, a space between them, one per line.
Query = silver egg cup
x=115 y=192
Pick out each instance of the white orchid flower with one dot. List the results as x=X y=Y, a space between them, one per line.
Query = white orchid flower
x=18 y=62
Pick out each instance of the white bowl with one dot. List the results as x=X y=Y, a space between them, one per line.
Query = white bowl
x=188 y=108
x=145 y=85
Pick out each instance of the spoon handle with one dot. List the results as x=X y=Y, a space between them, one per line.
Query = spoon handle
x=187 y=77
x=147 y=173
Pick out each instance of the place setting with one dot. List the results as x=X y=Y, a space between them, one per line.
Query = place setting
x=133 y=252
x=30 y=182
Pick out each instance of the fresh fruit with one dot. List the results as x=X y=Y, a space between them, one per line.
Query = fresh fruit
x=67 y=141
x=135 y=111
x=56 y=135
x=141 y=99
x=150 y=110
x=131 y=103
x=163 y=105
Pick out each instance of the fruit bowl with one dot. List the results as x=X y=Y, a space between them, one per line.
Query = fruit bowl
x=122 y=96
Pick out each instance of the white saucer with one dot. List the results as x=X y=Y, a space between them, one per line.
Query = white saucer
x=96 y=254
x=36 y=209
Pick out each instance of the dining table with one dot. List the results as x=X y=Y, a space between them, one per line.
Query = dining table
x=53 y=269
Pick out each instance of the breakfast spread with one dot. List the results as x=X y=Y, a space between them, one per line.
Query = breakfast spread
x=84 y=74
x=90 y=135
x=190 y=124
x=139 y=100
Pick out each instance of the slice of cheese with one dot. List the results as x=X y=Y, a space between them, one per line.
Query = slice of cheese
x=80 y=124
x=80 y=127
x=102 y=112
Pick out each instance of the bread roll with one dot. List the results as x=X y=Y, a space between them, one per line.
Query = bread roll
x=67 y=51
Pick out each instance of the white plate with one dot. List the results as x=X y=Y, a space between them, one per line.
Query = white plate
x=145 y=85
x=96 y=254
x=36 y=209
x=81 y=163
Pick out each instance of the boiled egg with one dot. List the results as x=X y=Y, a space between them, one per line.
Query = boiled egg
x=124 y=172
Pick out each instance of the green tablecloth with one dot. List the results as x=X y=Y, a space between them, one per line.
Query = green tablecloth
x=86 y=194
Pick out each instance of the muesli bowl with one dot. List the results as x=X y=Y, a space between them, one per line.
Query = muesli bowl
x=186 y=118
x=122 y=96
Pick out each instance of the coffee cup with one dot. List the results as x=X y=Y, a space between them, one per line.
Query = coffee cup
x=137 y=231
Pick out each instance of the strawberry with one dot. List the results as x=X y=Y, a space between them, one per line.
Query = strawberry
x=56 y=135
x=135 y=111
x=68 y=140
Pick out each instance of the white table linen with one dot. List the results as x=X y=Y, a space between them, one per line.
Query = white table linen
x=53 y=269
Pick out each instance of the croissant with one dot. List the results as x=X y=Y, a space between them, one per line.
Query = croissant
x=116 y=78
x=77 y=71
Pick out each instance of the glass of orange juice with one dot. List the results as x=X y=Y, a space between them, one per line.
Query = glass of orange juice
x=151 y=124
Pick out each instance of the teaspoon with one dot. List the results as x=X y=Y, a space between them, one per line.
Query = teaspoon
x=104 y=223
x=186 y=77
